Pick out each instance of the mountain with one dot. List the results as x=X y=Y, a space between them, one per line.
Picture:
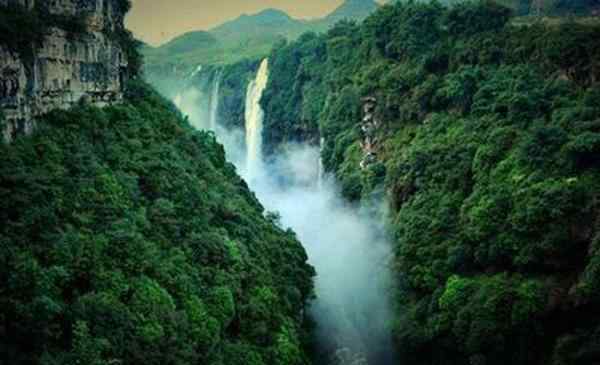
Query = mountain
x=248 y=36
x=352 y=9
x=270 y=23
x=189 y=42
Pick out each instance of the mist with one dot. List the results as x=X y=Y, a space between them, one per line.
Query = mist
x=345 y=243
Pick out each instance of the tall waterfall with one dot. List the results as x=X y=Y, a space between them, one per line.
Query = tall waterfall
x=214 y=101
x=254 y=120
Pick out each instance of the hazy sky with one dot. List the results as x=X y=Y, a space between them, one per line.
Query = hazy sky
x=156 y=21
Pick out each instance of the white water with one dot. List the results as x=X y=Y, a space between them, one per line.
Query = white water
x=201 y=104
x=321 y=168
x=344 y=243
x=254 y=120
x=196 y=71
x=214 y=101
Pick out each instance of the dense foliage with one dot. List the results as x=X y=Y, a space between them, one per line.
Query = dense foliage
x=127 y=238
x=489 y=150
x=552 y=7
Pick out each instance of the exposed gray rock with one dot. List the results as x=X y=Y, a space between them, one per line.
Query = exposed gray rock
x=369 y=127
x=67 y=68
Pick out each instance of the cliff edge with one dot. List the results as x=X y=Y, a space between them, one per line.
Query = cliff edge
x=55 y=53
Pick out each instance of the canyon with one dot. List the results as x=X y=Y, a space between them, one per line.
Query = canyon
x=346 y=243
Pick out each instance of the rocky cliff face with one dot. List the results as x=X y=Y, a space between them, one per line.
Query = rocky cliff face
x=368 y=127
x=67 y=67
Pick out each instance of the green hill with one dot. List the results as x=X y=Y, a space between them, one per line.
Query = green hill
x=127 y=238
x=189 y=42
x=270 y=23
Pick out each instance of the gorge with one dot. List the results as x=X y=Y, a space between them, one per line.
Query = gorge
x=416 y=182
x=346 y=243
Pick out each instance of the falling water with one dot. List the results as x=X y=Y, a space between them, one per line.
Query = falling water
x=199 y=99
x=196 y=71
x=214 y=101
x=254 y=120
x=320 y=167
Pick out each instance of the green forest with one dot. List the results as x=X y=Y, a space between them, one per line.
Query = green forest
x=127 y=238
x=488 y=150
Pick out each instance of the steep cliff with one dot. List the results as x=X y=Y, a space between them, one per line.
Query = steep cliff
x=56 y=53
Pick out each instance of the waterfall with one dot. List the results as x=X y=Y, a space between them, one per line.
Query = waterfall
x=254 y=120
x=199 y=98
x=196 y=71
x=214 y=101
x=179 y=98
x=320 y=167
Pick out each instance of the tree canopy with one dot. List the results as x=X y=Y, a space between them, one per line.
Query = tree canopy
x=488 y=152
x=126 y=237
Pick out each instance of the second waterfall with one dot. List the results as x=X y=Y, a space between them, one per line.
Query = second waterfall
x=254 y=120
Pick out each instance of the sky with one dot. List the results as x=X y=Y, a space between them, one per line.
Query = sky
x=157 y=21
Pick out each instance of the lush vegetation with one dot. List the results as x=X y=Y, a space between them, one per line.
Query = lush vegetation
x=127 y=238
x=552 y=7
x=488 y=148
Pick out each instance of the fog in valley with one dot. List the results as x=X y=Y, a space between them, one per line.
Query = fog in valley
x=346 y=243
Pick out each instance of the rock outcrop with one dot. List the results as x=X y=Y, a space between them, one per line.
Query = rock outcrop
x=67 y=67
x=369 y=126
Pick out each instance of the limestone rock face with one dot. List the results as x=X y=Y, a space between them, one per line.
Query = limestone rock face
x=369 y=126
x=66 y=68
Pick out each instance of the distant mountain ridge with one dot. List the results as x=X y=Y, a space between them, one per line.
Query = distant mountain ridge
x=269 y=24
x=245 y=37
x=353 y=9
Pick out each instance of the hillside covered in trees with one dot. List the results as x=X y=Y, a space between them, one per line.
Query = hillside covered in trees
x=127 y=238
x=485 y=139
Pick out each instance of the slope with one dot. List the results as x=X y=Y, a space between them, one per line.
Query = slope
x=127 y=237
x=353 y=10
